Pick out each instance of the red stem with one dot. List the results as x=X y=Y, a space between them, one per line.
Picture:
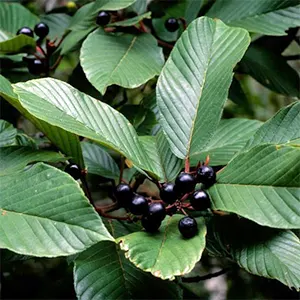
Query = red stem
x=187 y=165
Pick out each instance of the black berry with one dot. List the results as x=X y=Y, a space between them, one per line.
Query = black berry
x=41 y=30
x=157 y=211
x=168 y=193
x=37 y=66
x=26 y=31
x=171 y=24
x=138 y=205
x=185 y=183
x=124 y=194
x=206 y=175
x=103 y=18
x=73 y=170
x=200 y=200
x=150 y=224
x=188 y=227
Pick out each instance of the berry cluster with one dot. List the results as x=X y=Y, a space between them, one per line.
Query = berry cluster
x=35 y=65
x=172 y=196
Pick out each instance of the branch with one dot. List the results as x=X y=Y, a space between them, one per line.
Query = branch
x=205 y=277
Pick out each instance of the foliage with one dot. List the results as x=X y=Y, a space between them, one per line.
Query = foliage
x=148 y=104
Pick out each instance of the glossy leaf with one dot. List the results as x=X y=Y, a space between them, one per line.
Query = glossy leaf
x=103 y=272
x=16 y=158
x=67 y=142
x=45 y=213
x=194 y=83
x=61 y=105
x=260 y=250
x=270 y=17
x=131 y=61
x=282 y=128
x=7 y=134
x=14 y=16
x=98 y=161
x=263 y=185
x=158 y=149
x=131 y=21
x=17 y=44
x=271 y=70
x=229 y=138
x=165 y=254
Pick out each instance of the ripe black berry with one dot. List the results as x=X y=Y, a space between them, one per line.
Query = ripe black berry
x=168 y=193
x=124 y=194
x=26 y=31
x=103 y=18
x=150 y=224
x=73 y=170
x=185 y=183
x=171 y=24
x=188 y=227
x=138 y=205
x=206 y=175
x=200 y=200
x=37 y=66
x=41 y=30
x=157 y=211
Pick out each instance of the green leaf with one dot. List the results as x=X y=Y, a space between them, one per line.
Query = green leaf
x=14 y=16
x=270 y=17
x=85 y=17
x=261 y=251
x=194 y=83
x=131 y=21
x=61 y=105
x=131 y=61
x=262 y=185
x=282 y=128
x=98 y=161
x=44 y=213
x=103 y=272
x=16 y=158
x=279 y=77
x=17 y=44
x=162 y=253
x=58 y=24
x=7 y=134
x=158 y=150
x=229 y=138
x=67 y=142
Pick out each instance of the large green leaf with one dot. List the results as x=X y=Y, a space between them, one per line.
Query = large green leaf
x=131 y=60
x=17 y=44
x=13 y=16
x=165 y=254
x=16 y=158
x=67 y=142
x=44 y=213
x=98 y=161
x=194 y=83
x=103 y=272
x=7 y=134
x=262 y=185
x=282 y=128
x=229 y=138
x=61 y=105
x=260 y=250
x=271 y=70
x=158 y=150
x=271 y=17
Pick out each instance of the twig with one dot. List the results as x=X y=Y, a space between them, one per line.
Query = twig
x=187 y=165
x=86 y=188
x=52 y=68
x=183 y=23
x=160 y=42
x=41 y=50
x=205 y=277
